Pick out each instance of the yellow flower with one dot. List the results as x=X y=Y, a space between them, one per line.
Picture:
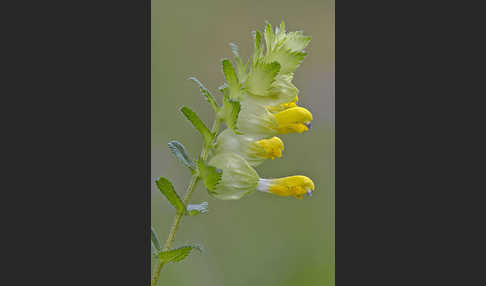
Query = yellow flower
x=258 y=120
x=240 y=179
x=270 y=148
x=294 y=119
x=254 y=149
x=295 y=186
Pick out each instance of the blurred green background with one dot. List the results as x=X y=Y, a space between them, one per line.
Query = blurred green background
x=260 y=239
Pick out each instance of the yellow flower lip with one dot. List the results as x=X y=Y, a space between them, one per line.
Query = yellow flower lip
x=283 y=106
x=296 y=186
x=294 y=119
x=271 y=148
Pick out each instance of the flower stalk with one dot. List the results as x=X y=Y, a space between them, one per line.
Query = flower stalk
x=177 y=219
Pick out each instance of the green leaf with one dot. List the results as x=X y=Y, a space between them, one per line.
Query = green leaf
x=201 y=208
x=229 y=73
x=180 y=152
x=178 y=254
x=258 y=49
x=240 y=67
x=231 y=111
x=209 y=174
x=154 y=251
x=231 y=79
x=269 y=37
x=261 y=78
x=166 y=188
x=155 y=239
x=288 y=60
x=209 y=97
x=296 y=41
x=198 y=124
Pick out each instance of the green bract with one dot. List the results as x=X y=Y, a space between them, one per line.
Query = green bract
x=255 y=119
x=243 y=145
x=238 y=179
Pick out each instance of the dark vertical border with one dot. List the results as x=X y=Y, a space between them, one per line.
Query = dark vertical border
x=410 y=163
x=149 y=142
x=78 y=142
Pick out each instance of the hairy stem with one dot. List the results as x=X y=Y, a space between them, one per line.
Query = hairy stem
x=177 y=219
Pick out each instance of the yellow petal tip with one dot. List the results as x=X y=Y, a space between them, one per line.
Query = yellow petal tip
x=292 y=186
x=293 y=120
x=271 y=148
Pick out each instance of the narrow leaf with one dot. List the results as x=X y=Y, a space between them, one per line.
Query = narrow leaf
x=229 y=74
x=201 y=208
x=232 y=110
x=258 y=49
x=240 y=67
x=155 y=239
x=180 y=152
x=178 y=254
x=154 y=251
x=166 y=188
x=204 y=91
x=198 y=124
x=269 y=37
x=231 y=79
x=209 y=174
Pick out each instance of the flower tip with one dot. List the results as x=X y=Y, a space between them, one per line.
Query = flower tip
x=296 y=186
x=271 y=148
x=293 y=120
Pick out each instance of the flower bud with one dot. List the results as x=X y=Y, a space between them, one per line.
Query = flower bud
x=238 y=178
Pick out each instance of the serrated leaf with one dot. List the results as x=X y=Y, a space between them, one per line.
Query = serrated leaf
x=261 y=77
x=269 y=37
x=258 y=48
x=229 y=73
x=241 y=68
x=166 y=188
x=288 y=60
x=209 y=174
x=178 y=254
x=296 y=41
x=198 y=124
x=231 y=111
x=180 y=153
x=231 y=79
x=205 y=92
x=155 y=239
x=196 y=209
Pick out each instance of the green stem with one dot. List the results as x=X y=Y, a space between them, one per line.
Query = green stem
x=177 y=219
